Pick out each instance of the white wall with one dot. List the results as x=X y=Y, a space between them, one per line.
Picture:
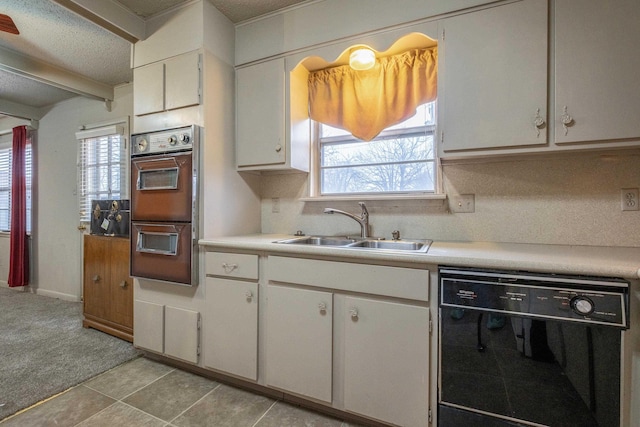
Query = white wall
x=57 y=253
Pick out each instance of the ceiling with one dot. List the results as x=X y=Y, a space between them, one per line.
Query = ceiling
x=68 y=48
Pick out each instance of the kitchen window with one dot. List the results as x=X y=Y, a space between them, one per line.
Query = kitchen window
x=375 y=128
x=5 y=186
x=102 y=167
x=401 y=159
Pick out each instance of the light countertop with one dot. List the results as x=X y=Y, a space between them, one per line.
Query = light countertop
x=561 y=259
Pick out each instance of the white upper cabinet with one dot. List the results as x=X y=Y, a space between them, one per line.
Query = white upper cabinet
x=492 y=78
x=167 y=85
x=597 y=58
x=272 y=122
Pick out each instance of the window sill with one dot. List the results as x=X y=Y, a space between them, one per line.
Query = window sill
x=421 y=198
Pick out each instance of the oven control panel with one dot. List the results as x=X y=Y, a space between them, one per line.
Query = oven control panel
x=164 y=141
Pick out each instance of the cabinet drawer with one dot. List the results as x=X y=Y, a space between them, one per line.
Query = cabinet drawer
x=241 y=266
x=383 y=280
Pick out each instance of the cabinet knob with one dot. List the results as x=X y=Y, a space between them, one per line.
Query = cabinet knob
x=539 y=122
x=278 y=148
x=123 y=284
x=566 y=120
x=323 y=307
x=354 y=313
x=249 y=295
x=96 y=278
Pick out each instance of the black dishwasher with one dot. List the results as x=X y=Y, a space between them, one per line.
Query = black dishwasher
x=530 y=349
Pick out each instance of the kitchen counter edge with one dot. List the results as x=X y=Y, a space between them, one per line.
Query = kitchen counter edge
x=623 y=262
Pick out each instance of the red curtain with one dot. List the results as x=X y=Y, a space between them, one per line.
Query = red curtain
x=19 y=244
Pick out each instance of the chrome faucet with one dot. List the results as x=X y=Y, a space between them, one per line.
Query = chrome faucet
x=363 y=219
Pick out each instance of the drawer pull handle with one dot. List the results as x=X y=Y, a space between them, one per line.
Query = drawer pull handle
x=354 y=313
x=323 y=307
x=229 y=268
x=123 y=284
x=96 y=278
x=249 y=295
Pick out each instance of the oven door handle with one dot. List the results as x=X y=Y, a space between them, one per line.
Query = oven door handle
x=162 y=159
x=171 y=249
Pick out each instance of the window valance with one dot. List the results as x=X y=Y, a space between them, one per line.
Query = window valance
x=366 y=102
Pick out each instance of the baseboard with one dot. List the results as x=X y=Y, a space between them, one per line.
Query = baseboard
x=59 y=295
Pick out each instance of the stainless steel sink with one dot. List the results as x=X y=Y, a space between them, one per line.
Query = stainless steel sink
x=393 y=245
x=319 y=241
x=358 y=243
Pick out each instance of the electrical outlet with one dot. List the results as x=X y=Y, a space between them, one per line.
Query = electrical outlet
x=629 y=199
x=463 y=203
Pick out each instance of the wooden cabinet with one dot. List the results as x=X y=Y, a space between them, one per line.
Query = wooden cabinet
x=493 y=78
x=107 y=286
x=231 y=318
x=167 y=85
x=299 y=341
x=597 y=57
x=272 y=124
x=386 y=360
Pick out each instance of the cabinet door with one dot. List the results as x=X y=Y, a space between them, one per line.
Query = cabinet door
x=181 y=333
x=386 y=364
x=182 y=82
x=493 y=77
x=148 y=89
x=260 y=113
x=232 y=327
x=597 y=54
x=121 y=284
x=148 y=326
x=96 y=277
x=299 y=341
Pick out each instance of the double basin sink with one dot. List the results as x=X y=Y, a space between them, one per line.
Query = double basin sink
x=420 y=246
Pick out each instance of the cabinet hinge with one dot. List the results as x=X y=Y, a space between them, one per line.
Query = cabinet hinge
x=430 y=326
x=442 y=137
x=443 y=34
x=430 y=420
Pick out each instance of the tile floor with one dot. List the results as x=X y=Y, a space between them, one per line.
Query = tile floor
x=143 y=392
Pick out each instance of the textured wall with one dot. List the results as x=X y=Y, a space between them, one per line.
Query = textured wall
x=569 y=199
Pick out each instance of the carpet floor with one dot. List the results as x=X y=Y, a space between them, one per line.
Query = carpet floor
x=44 y=349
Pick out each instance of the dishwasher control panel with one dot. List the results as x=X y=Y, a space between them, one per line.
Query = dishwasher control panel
x=593 y=300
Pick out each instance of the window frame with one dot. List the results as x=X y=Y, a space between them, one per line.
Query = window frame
x=29 y=157
x=315 y=178
x=95 y=133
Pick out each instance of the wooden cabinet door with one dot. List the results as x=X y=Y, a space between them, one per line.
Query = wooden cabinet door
x=597 y=58
x=148 y=89
x=182 y=81
x=260 y=114
x=96 y=277
x=232 y=327
x=386 y=362
x=120 y=284
x=299 y=328
x=492 y=78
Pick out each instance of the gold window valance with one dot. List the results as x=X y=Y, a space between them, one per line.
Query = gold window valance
x=366 y=102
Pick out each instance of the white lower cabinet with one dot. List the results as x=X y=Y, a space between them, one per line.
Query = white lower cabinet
x=299 y=333
x=386 y=361
x=231 y=323
x=167 y=330
x=359 y=330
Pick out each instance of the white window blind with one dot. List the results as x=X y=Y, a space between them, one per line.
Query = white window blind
x=5 y=187
x=102 y=167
